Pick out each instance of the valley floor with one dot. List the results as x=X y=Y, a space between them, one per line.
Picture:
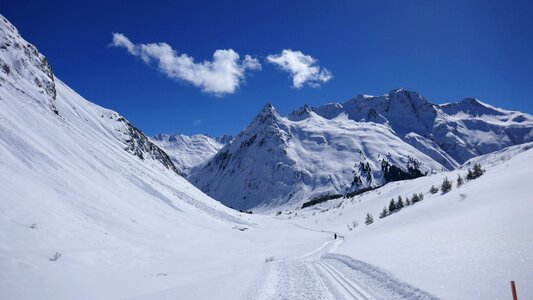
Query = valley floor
x=271 y=259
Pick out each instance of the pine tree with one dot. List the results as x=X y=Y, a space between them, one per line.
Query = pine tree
x=459 y=180
x=415 y=198
x=392 y=206
x=470 y=175
x=446 y=186
x=477 y=170
x=407 y=201
x=421 y=196
x=384 y=213
x=399 y=204
x=369 y=219
x=433 y=189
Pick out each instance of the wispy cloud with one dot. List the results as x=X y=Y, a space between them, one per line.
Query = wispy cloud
x=197 y=123
x=222 y=75
x=303 y=68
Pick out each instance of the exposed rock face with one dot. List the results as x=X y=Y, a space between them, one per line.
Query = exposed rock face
x=23 y=66
x=138 y=144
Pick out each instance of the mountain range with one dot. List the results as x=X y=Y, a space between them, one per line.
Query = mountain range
x=363 y=143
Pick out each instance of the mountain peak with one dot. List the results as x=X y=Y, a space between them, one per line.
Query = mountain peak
x=268 y=108
x=300 y=113
x=471 y=101
x=267 y=112
x=404 y=94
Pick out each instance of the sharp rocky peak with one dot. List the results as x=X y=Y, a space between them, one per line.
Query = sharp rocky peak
x=267 y=113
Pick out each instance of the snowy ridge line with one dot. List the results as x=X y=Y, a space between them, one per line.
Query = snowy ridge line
x=495 y=158
x=374 y=274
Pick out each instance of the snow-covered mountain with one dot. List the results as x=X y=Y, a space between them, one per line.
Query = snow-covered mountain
x=341 y=148
x=279 y=161
x=188 y=152
x=449 y=133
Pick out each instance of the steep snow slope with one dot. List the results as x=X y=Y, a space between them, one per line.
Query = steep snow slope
x=277 y=162
x=188 y=152
x=466 y=244
x=450 y=133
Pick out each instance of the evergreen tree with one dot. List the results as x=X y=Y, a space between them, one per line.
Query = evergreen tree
x=446 y=186
x=433 y=189
x=392 y=206
x=459 y=180
x=421 y=196
x=415 y=198
x=470 y=175
x=477 y=170
x=369 y=219
x=399 y=204
x=407 y=201
x=384 y=213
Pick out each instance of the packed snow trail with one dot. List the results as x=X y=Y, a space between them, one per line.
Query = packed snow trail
x=320 y=274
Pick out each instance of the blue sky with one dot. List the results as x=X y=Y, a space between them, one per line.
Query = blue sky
x=445 y=50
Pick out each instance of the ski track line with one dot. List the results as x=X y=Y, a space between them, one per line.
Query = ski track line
x=354 y=289
x=337 y=283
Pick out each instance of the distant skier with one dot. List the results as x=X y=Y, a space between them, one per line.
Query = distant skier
x=335 y=235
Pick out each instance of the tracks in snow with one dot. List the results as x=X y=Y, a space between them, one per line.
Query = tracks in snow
x=320 y=274
x=352 y=289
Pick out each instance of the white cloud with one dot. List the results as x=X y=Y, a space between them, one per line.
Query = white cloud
x=221 y=76
x=303 y=68
x=197 y=123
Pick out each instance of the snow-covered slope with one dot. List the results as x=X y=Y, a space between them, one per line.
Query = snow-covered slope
x=450 y=133
x=278 y=161
x=466 y=244
x=188 y=152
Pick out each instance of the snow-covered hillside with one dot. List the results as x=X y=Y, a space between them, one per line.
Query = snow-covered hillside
x=466 y=244
x=341 y=148
x=277 y=161
x=188 y=152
